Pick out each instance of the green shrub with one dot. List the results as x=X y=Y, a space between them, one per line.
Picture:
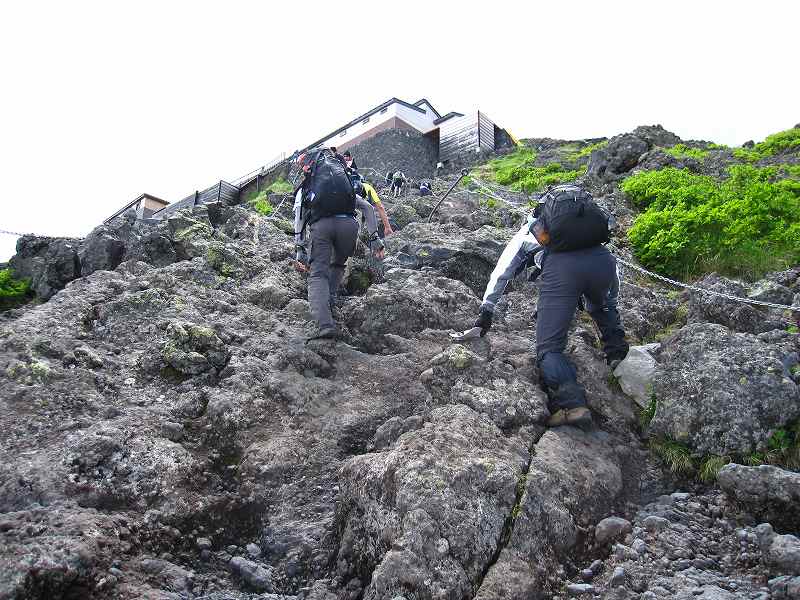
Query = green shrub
x=782 y=141
x=13 y=292
x=683 y=151
x=677 y=456
x=648 y=413
x=281 y=186
x=510 y=166
x=260 y=204
x=746 y=155
x=587 y=151
x=692 y=224
x=777 y=143
x=711 y=466
x=517 y=171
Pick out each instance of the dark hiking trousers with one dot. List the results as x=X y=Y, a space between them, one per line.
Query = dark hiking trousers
x=566 y=276
x=333 y=241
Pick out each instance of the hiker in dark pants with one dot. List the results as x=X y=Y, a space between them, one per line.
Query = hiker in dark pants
x=333 y=233
x=566 y=280
x=567 y=277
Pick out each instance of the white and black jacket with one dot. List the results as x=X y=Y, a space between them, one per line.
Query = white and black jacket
x=521 y=251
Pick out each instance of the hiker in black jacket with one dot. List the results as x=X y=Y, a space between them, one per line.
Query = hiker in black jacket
x=333 y=234
x=568 y=277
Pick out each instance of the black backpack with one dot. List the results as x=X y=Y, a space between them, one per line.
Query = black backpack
x=330 y=189
x=572 y=219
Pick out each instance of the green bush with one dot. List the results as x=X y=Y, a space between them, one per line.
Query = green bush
x=13 y=292
x=260 y=204
x=677 y=456
x=517 y=171
x=683 y=151
x=587 y=151
x=692 y=224
x=281 y=186
x=782 y=141
x=777 y=143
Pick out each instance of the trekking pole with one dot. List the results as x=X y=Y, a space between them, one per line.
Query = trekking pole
x=464 y=173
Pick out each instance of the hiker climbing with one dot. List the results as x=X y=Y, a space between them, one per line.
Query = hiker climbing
x=562 y=245
x=425 y=188
x=326 y=202
x=371 y=196
x=398 y=179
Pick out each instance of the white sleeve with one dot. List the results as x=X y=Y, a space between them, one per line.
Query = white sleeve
x=299 y=226
x=515 y=253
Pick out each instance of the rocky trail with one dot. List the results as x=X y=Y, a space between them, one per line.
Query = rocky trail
x=168 y=434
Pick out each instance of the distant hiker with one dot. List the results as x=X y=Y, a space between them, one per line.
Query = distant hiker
x=425 y=188
x=326 y=202
x=389 y=178
x=371 y=196
x=563 y=243
x=398 y=179
x=349 y=161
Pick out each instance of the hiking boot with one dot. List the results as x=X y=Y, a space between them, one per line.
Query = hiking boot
x=577 y=417
x=323 y=333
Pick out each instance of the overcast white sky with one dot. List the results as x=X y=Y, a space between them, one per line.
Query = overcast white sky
x=101 y=101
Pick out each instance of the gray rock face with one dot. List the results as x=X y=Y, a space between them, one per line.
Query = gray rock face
x=635 y=373
x=409 y=151
x=167 y=432
x=617 y=158
x=721 y=392
x=191 y=233
x=101 y=250
x=550 y=518
x=656 y=135
x=771 y=291
x=707 y=308
x=460 y=500
x=781 y=552
x=464 y=256
x=493 y=389
x=770 y=493
x=408 y=303
x=49 y=263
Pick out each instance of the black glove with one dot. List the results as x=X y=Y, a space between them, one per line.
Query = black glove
x=484 y=321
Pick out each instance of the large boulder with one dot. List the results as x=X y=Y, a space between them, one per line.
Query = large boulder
x=574 y=481
x=635 y=373
x=427 y=514
x=770 y=493
x=408 y=303
x=49 y=263
x=722 y=392
x=656 y=135
x=191 y=232
x=489 y=387
x=617 y=158
x=781 y=553
x=712 y=308
x=467 y=256
x=101 y=250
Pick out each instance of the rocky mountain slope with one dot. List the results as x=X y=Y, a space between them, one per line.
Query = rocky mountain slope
x=167 y=432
